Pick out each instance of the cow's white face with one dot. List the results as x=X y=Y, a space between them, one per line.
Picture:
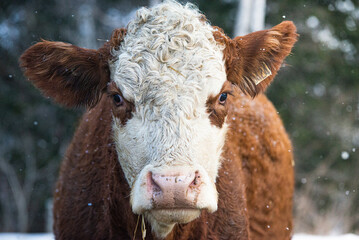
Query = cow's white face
x=167 y=68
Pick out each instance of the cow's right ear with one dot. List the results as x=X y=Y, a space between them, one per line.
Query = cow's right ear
x=253 y=60
x=70 y=75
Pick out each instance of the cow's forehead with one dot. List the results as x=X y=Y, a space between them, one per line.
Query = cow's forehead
x=169 y=56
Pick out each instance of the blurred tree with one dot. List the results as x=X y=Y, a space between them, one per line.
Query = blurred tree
x=154 y=2
x=250 y=16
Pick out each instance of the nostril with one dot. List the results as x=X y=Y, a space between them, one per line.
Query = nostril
x=152 y=186
x=197 y=180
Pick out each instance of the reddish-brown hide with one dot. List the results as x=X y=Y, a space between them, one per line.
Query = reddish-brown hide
x=255 y=182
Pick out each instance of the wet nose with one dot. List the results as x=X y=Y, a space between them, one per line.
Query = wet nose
x=174 y=190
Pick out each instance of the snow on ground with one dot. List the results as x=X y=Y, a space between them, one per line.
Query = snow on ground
x=24 y=236
x=49 y=236
x=311 y=237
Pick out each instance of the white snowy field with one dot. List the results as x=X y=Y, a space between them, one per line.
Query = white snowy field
x=25 y=236
x=49 y=236
x=312 y=237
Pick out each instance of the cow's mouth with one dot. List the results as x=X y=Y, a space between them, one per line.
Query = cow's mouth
x=176 y=215
x=164 y=219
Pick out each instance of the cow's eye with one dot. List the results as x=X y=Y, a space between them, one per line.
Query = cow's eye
x=223 y=98
x=118 y=100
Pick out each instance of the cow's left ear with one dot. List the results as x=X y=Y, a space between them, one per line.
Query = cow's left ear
x=70 y=75
x=253 y=60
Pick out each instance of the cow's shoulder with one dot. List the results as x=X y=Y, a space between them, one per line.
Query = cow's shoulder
x=259 y=144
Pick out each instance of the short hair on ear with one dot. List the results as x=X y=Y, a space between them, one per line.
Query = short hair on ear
x=253 y=60
x=70 y=75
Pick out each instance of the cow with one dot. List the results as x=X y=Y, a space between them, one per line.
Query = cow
x=178 y=140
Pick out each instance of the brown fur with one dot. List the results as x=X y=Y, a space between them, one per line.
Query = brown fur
x=218 y=111
x=255 y=182
x=255 y=173
x=90 y=173
x=123 y=112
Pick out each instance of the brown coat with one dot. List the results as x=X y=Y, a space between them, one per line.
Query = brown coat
x=255 y=182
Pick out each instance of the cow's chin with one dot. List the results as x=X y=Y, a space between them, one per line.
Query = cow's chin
x=163 y=220
x=172 y=216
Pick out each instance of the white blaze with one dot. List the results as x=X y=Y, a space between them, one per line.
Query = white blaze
x=168 y=65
